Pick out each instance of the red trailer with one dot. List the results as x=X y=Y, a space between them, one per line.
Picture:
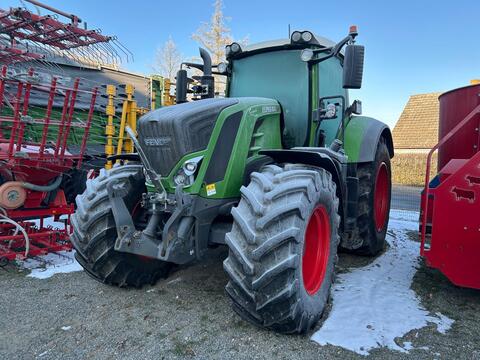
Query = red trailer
x=450 y=219
x=31 y=171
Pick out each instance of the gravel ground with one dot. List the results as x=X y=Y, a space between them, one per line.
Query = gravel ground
x=71 y=316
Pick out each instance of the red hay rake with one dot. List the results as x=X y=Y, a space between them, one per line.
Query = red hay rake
x=25 y=36
x=31 y=171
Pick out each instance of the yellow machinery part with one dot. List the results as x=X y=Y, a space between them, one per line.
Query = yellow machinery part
x=110 y=128
x=130 y=111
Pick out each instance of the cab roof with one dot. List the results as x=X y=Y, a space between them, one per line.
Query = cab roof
x=322 y=41
x=281 y=44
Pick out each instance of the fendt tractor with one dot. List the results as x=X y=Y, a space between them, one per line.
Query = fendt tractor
x=283 y=170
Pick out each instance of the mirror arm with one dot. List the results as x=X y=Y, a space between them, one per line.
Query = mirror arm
x=335 y=50
x=316 y=61
x=193 y=65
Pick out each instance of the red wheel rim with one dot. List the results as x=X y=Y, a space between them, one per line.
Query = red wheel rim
x=381 y=197
x=316 y=250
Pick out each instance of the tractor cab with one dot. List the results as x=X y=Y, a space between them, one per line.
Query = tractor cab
x=308 y=75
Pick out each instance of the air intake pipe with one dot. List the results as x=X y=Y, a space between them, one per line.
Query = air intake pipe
x=181 y=86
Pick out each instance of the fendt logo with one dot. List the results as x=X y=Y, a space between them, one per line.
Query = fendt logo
x=158 y=141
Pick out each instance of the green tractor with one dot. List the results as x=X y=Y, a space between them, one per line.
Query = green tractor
x=283 y=170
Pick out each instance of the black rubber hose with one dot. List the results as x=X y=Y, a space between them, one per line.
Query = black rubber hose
x=43 y=188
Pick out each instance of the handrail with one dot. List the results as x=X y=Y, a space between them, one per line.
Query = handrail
x=447 y=137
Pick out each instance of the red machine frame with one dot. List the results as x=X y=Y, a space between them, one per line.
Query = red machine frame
x=450 y=219
x=39 y=163
x=45 y=32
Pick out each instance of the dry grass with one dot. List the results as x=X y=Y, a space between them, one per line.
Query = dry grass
x=409 y=169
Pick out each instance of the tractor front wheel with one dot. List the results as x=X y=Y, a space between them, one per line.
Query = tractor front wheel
x=283 y=247
x=94 y=232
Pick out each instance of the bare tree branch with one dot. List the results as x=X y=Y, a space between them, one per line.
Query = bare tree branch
x=168 y=60
x=214 y=36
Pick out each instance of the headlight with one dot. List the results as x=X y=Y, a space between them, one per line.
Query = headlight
x=307 y=36
x=190 y=167
x=235 y=47
x=306 y=55
x=228 y=50
x=186 y=174
x=222 y=67
x=296 y=36
x=302 y=37
x=180 y=178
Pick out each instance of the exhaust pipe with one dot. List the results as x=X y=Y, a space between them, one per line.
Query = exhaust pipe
x=207 y=79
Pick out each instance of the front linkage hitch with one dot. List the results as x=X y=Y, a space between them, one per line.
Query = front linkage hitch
x=176 y=242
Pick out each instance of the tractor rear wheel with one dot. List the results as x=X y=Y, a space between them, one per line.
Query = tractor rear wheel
x=375 y=186
x=94 y=232
x=283 y=247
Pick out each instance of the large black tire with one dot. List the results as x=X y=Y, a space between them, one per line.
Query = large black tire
x=372 y=237
x=94 y=232
x=266 y=247
x=74 y=183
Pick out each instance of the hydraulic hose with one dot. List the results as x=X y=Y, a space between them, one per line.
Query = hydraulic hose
x=18 y=227
x=43 y=188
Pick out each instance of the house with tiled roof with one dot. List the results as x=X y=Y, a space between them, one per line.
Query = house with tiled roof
x=417 y=128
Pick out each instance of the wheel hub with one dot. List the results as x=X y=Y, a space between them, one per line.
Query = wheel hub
x=380 y=200
x=316 y=250
x=12 y=195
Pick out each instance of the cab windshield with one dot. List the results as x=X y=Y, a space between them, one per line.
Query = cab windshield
x=279 y=75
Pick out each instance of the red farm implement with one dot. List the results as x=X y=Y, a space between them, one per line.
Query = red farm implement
x=32 y=167
x=27 y=36
x=450 y=219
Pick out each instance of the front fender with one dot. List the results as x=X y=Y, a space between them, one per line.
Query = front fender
x=314 y=158
x=362 y=135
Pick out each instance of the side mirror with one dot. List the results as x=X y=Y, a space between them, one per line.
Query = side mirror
x=356 y=107
x=181 y=87
x=353 y=66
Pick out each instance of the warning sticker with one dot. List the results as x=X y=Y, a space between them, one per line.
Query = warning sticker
x=211 y=190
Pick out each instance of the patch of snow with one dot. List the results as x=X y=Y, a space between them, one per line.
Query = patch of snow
x=50 y=222
x=66 y=328
x=43 y=267
x=43 y=353
x=374 y=305
x=445 y=323
x=174 y=280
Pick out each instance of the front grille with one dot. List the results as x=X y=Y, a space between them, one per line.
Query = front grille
x=169 y=133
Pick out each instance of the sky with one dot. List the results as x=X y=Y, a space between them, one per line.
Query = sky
x=412 y=46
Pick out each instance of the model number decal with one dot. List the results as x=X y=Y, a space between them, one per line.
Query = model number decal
x=269 y=109
x=158 y=141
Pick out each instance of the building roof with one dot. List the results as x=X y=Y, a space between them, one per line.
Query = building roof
x=417 y=127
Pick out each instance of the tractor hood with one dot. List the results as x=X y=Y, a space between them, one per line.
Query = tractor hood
x=169 y=133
